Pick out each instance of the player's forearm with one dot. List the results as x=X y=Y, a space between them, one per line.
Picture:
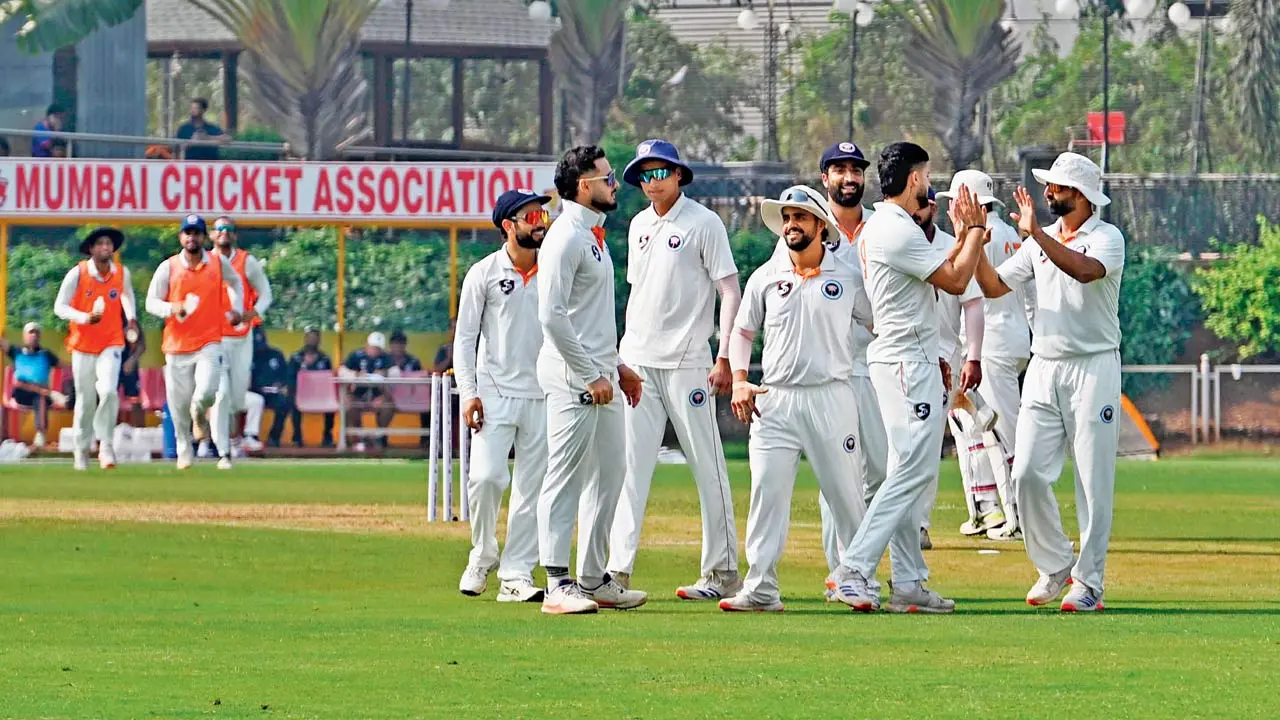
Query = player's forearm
x=235 y=288
x=558 y=330
x=730 y=300
x=974 y=327
x=971 y=250
x=993 y=286
x=156 y=303
x=70 y=314
x=159 y=308
x=1077 y=265
x=740 y=342
x=261 y=286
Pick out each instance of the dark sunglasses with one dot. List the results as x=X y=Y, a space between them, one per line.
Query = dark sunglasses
x=611 y=179
x=224 y=228
x=648 y=176
x=533 y=217
x=796 y=196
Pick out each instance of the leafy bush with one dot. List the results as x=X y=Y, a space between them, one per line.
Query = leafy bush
x=1241 y=294
x=35 y=272
x=1158 y=311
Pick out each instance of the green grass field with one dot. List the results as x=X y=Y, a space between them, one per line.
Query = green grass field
x=319 y=591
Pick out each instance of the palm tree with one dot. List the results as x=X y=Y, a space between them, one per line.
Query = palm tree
x=959 y=46
x=50 y=26
x=1257 y=66
x=587 y=56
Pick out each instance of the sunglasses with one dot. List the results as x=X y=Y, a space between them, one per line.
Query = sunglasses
x=648 y=176
x=610 y=180
x=796 y=196
x=224 y=228
x=533 y=217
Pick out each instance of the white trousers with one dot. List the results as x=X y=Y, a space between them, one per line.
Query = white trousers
x=873 y=459
x=679 y=395
x=96 y=378
x=191 y=382
x=238 y=352
x=508 y=422
x=253 y=405
x=822 y=422
x=1069 y=403
x=585 y=471
x=1000 y=389
x=914 y=405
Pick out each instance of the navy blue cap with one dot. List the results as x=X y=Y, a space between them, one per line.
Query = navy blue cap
x=843 y=151
x=194 y=222
x=932 y=195
x=656 y=150
x=513 y=200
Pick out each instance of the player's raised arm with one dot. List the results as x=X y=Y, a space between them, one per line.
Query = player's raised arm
x=970 y=221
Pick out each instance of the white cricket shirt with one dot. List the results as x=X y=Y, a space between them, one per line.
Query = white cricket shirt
x=808 y=321
x=673 y=264
x=899 y=259
x=575 y=302
x=951 y=345
x=497 y=338
x=1072 y=318
x=1007 y=332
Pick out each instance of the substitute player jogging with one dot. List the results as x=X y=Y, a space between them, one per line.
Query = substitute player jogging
x=807 y=303
x=192 y=291
x=678 y=259
x=578 y=369
x=903 y=269
x=495 y=354
x=1071 y=394
x=96 y=299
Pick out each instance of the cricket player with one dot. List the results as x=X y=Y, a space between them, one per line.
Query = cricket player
x=903 y=269
x=1071 y=394
x=578 y=369
x=807 y=304
x=1006 y=348
x=96 y=299
x=496 y=346
x=196 y=292
x=678 y=260
x=237 y=342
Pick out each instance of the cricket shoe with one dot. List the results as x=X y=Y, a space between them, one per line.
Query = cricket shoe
x=79 y=461
x=1048 y=588
x=611 y=594
x=568 y=598
x=206 y=450
x=853 y=590
x=199 y=424
x=1005 y=532
x=1082 y=598
x=743 y=602
x=224 y=463
x=106 y=456
x=622 y=578
x=519 y=591
x=986 y=521
x=914 y=597
x=184 y=456
x=717 y=585
x=251 y=444
x=475 y=580
x=926 y=542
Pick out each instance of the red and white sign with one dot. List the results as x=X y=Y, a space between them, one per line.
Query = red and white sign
x=299 y=192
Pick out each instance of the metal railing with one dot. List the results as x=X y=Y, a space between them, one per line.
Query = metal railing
x=282 y=149
x=1214 y=376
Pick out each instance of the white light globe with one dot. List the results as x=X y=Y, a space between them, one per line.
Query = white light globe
x=1179 y=14
x=865 y=15
x=540 y=10
x=1066 y=8
x=844 y=7
x=399 y=304
x=747 y=19
x=1008 y=25
x=360 y=302
x=1138 y=8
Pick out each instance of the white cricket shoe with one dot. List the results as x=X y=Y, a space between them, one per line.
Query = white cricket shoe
x=853 y=590
x=251 y=444
x=743 y=602
x=568 y=598
x=1082 y=598
x=717 y=585
x=38 y=441
x=519 y=591
x=622 y=578
x=79 y=460
x=1048 y=588
x=224 y=462
x=106 y=456
x=611 y=594
x=990 y=519
x=1005 y=532
x=184 y=457
x=199 y=424
x=914 y=597
x=206 y=450
x=475 y=580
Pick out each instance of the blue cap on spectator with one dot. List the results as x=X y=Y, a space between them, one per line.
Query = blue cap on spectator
x=843 y=151
x=656 y=150
x=194 y=222
x=511 y=201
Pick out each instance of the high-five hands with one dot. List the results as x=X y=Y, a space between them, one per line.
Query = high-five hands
x=1026 y=215
x=966 y=213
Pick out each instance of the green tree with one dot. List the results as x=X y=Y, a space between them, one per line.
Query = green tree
x=1257 y=71
x=586 y=54
x=35 y=273
x=53 y=24
x=1158 y=311
x=1241 y=294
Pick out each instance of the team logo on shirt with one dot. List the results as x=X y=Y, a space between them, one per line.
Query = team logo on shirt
x=113 y=294
x=922 y=410
x=274 y=363
x=833 y=289
x=833 y=244
x=595 y=252
x=507 y=286
x=850 y=443
x=644 y=241
x=784 y=288
x=698 y=397
x=675 y=242
x=1108 y=414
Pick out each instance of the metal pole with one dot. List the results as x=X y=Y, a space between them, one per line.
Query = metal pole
x=1197 y=107
x=1106 y=103
x=1195 y=403
x=853 y=70
x=341 y=320
x=404 y=81
x=433 y=448
x=1217 y=404
x=464 y=466
x=1204 y=397
x=771 y=88
x=453 y=272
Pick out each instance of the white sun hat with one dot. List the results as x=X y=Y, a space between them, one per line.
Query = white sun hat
x=1076 y=171
x=978 y=182
x=378 y=340
x=804 y=198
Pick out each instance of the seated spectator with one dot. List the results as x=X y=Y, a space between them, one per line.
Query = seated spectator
x=444 y=356
x=370 y=360
x=55 y=119
x=4 y=148
x=32 y=369
x=269 y=382
x=404 y=362
x=197 y=128
x=308 y=357
x=131 y=380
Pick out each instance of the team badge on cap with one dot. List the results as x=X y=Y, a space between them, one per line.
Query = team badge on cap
x=846 y=147
x=698 y=397
x=644 y=149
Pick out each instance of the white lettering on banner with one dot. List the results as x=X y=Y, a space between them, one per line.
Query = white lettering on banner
x=364 y=192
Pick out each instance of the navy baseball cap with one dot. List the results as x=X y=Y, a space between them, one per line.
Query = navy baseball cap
x=932 y=194
x=656 y=150
x=513 y=200
x=843 y=151
x=194 y=222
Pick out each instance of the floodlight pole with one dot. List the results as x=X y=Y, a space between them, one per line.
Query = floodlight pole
x=1106 y=102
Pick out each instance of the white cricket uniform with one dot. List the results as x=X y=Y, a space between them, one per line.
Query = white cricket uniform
x=254 y=404
x=673 y=264
x=808 y=363
x=495 y=351
x=904 y=368
x=1070 y=399
x=96 y=376
x=584 y=441
x=238 y=350
x=192 y=379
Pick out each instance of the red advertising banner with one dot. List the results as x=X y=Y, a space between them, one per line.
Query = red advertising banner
x=297 y=192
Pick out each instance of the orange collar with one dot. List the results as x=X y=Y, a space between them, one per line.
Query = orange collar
x=806 y=273
x=598 y=231
x=857 y=230
x=526 y=276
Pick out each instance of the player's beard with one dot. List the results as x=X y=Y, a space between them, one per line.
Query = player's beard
x=846 y=198
x=799 y=243
x=1060 y=208
x=528 y=241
